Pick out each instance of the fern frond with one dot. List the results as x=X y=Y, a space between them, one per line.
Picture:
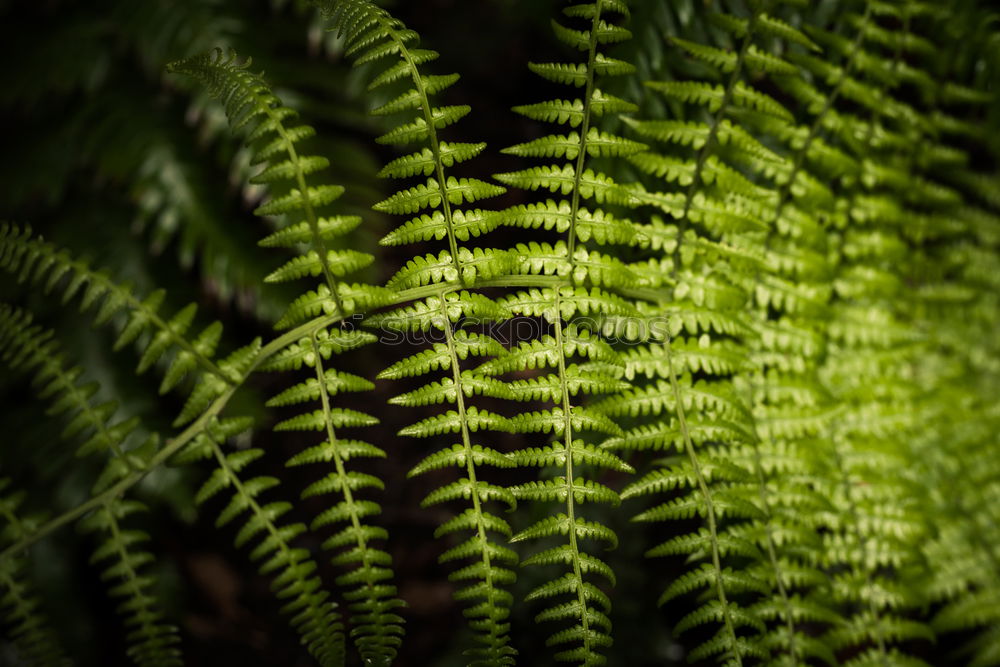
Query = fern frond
x=439 y=312
x=599 y=226
x=585 y=287
x=322 y=302
x=375 y=35
x=313 y=614
x=464 y=225
x=27 y=347
x=152 y=642
x=253 y=108
x=35 y=260
x=465 y=343
x=255 y=111
x=477 y=264
x=723 y=212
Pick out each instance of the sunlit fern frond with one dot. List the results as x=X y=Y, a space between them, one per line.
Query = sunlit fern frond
x=273 y=137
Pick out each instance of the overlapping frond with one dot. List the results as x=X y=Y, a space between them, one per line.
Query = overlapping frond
x=27 y=347
x=152 y=642
x=36 y=261
x=273 y=137
x=585 y=286
x=436 y=210
x=697 y=400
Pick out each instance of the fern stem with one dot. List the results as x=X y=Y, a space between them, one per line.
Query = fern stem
x=38 y=248
x=584 y=130
x=570 y=501
x=348 y=494
x=172 y=446
x=14 y=592
x=435 y=145
x=34 y=641
x=178 y=340
x=709 y=507
x=140 y=611
x=217 y=406
x=337 y=460
x=437 y=289
x=54 y=368
x=289 y=556
x=95 y=420
x=310 y=211
x=251 y=501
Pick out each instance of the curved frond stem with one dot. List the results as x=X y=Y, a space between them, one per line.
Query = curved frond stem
x=444 y=287
x=218 y=405
x=35 y=641
x=368 y=589
x=33 y=342
x=193 y=430
x=127 y=482
x=116 y=536
x=249 y=499
x=178 y=340
x=338 y=461
x=706 y=493
x=29 y=630
x=307 y=207
x=140 y=606
x=172 y=446
x=325 y=646
x=255 y=94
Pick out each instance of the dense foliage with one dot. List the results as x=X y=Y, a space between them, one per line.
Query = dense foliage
x=707 y=371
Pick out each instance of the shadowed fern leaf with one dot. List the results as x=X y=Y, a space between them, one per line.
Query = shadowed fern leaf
x=34 y=641
x=33 y=259
x=27 y=347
